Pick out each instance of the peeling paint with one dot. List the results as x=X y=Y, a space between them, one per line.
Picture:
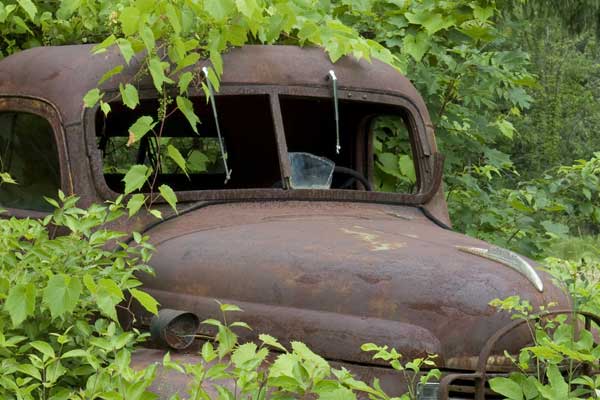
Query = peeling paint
x=373 y=239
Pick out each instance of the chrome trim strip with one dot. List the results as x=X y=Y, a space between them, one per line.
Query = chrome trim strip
x=510 y=259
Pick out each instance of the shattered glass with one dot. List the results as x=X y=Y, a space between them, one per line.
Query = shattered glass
x=310 y=171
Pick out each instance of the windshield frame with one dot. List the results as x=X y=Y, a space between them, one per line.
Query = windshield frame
x=426 y=187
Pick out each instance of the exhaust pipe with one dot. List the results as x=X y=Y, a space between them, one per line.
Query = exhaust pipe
x=175 y=329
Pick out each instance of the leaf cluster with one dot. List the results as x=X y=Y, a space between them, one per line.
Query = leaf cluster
x=556 y=365
x=269 y=370
x=62 y=280
x=538 y=218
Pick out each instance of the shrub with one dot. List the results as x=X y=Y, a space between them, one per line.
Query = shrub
x=297 y=372
x=60 y=337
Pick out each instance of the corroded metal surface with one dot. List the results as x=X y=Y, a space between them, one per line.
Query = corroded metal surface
x=63 y=74
x=337 y=275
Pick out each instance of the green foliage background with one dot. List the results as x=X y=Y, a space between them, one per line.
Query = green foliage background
x=511 y=87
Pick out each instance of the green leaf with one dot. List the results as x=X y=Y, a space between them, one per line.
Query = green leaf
x=111 y=288
x=187 y=61
x=483 y=13
x=147 y=301
x=148 y=38
x=187 y=108
x=555 y=228
x=305 y=353
x=557 y=382
x=29 y=8
x=130 y=95
x=169 y=195
x=106 y=43
x=89 y=283
x=184 y=82
x=139 y=129
x=219 y=9
x=135 y=178
x=213 y=78
x=135 y=203
x=67 y=8
x=389 y=164
x=212 y=321
x=341 y=393
x=92 y=97
x=21 y=24
x=369 y=347
x=407 y=167
x=174 y=18
x=129 y=18
x=248 y=7
x=431 y=21
x=62 y=294
x=116 y=70
x=507 y=388
x=197 y=161
x=30 y=370
x=105 y=107
x=4 y=286
x=126 y=49
x=241 y=325
x=217 y=63
x=224 y=393
x=271 y=341
x=157 y=71
x=156 y=213
x=244 y=353
x=20 y=302
x=43 y=348
x=229 y=308
x=506 y=128
x=75 y=353
x=176 y=156
x=6 y=178
x=227 y=340
x=416 y=45
x=586 y=192
x=285 y=365
x=208 y=352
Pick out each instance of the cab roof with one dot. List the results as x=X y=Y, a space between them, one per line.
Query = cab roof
x=62 y=75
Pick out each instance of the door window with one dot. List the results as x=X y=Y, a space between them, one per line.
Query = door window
x=29 y=154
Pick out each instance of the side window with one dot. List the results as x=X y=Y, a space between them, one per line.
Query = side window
x=28 y=153
x=394 y=168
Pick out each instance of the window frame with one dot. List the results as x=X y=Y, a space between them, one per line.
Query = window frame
x=365 y=141
x=425 y=162
x=45 y=110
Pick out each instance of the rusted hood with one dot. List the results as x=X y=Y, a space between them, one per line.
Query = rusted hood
x=336 y=275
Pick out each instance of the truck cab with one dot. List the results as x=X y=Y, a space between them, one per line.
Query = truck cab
x=312 y=199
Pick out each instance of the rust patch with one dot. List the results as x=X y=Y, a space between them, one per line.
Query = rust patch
x=373 y=279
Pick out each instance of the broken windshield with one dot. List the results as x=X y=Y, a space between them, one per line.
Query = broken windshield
x=248 y=141
x=375 y=150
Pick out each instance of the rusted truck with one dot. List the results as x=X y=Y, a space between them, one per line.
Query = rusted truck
x=313 y=201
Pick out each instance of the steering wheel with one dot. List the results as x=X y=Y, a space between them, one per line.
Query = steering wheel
x=354 y=176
